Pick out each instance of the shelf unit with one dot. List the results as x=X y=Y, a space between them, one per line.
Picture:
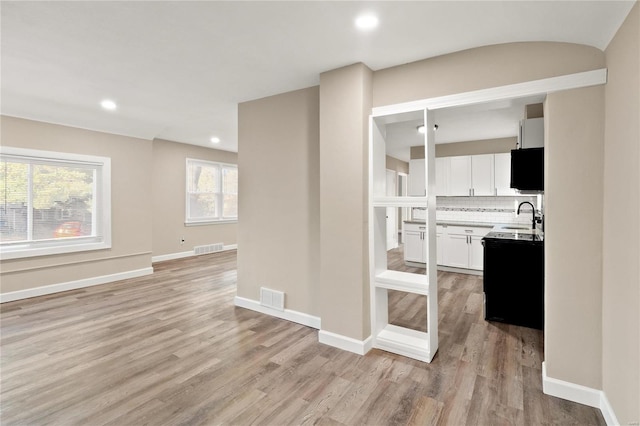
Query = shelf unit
x=403 y=341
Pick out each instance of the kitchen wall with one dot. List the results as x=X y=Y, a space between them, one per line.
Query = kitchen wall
x=621 y=228
x=484 y=209
x=485 y=146
x=480 y=68
x=397 y=165
x=168 y=177
x=278 y=159
x=574 y=150
x=131 y=205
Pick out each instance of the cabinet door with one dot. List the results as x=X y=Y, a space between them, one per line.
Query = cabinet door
x=413 y=246
x=482 y=174
x=502 y=167
x=442 y=175
x=459 y=175
x=457 y=253
x=440 y=239
x=417 y=178
x=476 y=253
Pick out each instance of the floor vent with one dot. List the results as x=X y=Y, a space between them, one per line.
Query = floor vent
x=272 y=298
x=209 y=248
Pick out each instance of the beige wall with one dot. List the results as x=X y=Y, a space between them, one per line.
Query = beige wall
x=345 y=105
x=278 y=236
x=574 y=149
x=130 y=205
x=168 y=177
x=621 y=242
x=481 y=68
x=397 y=165
x=485 y=146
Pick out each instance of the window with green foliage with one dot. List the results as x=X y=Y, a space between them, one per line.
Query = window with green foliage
x=52 y=202
x=212 y=192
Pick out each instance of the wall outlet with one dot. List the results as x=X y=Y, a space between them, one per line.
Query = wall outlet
x=181 y=240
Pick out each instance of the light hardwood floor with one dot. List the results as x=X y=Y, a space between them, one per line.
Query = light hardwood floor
x=171 y=349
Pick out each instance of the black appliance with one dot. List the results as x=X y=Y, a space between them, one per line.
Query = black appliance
x=514 y=279
x=527 y=169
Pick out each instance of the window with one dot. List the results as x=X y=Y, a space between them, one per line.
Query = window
x=53 y=203
x=212 y=192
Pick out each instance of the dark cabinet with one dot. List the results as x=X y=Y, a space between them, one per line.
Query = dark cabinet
x=514 y=282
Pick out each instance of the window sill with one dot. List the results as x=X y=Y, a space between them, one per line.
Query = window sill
x=18 y=253
x=211 y=222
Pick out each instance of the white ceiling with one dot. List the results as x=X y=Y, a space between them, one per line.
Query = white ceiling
x=177 y=70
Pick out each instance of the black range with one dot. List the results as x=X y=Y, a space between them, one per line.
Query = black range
x=514 y=278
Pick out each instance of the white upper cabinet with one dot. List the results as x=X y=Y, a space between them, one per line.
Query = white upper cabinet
x=460 y=176
x=417 y=178
x=482 y=175
x=531 y=133
x=503 y=174
x=468 y=175
x=442 y=175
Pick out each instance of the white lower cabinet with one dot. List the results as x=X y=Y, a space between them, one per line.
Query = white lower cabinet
x=414 y=243
x=462 y=247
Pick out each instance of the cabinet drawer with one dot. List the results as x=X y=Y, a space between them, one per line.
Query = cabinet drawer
x=415 y=227
x=468 y=230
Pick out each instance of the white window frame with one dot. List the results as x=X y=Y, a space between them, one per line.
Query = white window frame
x=100 y=237
x=219 y=195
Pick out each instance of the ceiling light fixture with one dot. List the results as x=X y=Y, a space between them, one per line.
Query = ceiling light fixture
x=366 y=22
x=108 y=105
x=421 y=128
x=215 y=140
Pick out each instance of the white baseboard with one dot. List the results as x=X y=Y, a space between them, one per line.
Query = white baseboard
x=182 y=254
x=287 y=314
x=73 y=285
x=580 y=394
x=345 y=343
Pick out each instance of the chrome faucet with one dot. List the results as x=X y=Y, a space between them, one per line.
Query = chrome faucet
x=533 y=212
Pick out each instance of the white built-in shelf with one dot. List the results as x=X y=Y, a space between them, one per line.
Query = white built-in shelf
x=404 y=341
x=403 y=281
x=399 y=201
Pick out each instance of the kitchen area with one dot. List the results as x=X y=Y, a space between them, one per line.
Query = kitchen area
x=489 y=187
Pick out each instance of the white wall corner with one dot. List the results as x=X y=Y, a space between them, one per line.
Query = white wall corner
x=73 y=285
x=580 y=394
x=345 y=343
x=287 y=314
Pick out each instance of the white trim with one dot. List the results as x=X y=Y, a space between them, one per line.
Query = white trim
x=607 y=411
x=211 y=222
x=73 y=285
x=529 y=88
x=578 y=393
x=345 y=343
x=287 y=314
x=183 y=254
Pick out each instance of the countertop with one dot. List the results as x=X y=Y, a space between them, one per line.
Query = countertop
x=454 y=223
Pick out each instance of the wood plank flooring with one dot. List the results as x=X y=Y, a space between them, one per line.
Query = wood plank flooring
x=171 y=349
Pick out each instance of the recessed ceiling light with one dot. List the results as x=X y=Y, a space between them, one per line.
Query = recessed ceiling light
x=108 y=104
x=366 y=22
x=215 y=140
x=420 y=128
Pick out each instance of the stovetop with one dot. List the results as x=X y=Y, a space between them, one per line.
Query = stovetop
x=518 y=236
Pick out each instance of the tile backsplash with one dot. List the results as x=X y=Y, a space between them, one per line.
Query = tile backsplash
x=483 y=209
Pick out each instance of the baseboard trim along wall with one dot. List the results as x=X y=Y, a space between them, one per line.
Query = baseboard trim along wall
x=287 y=314
x=180 y=255
x=345 y=343
x=580 y=394
x=73 y=285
